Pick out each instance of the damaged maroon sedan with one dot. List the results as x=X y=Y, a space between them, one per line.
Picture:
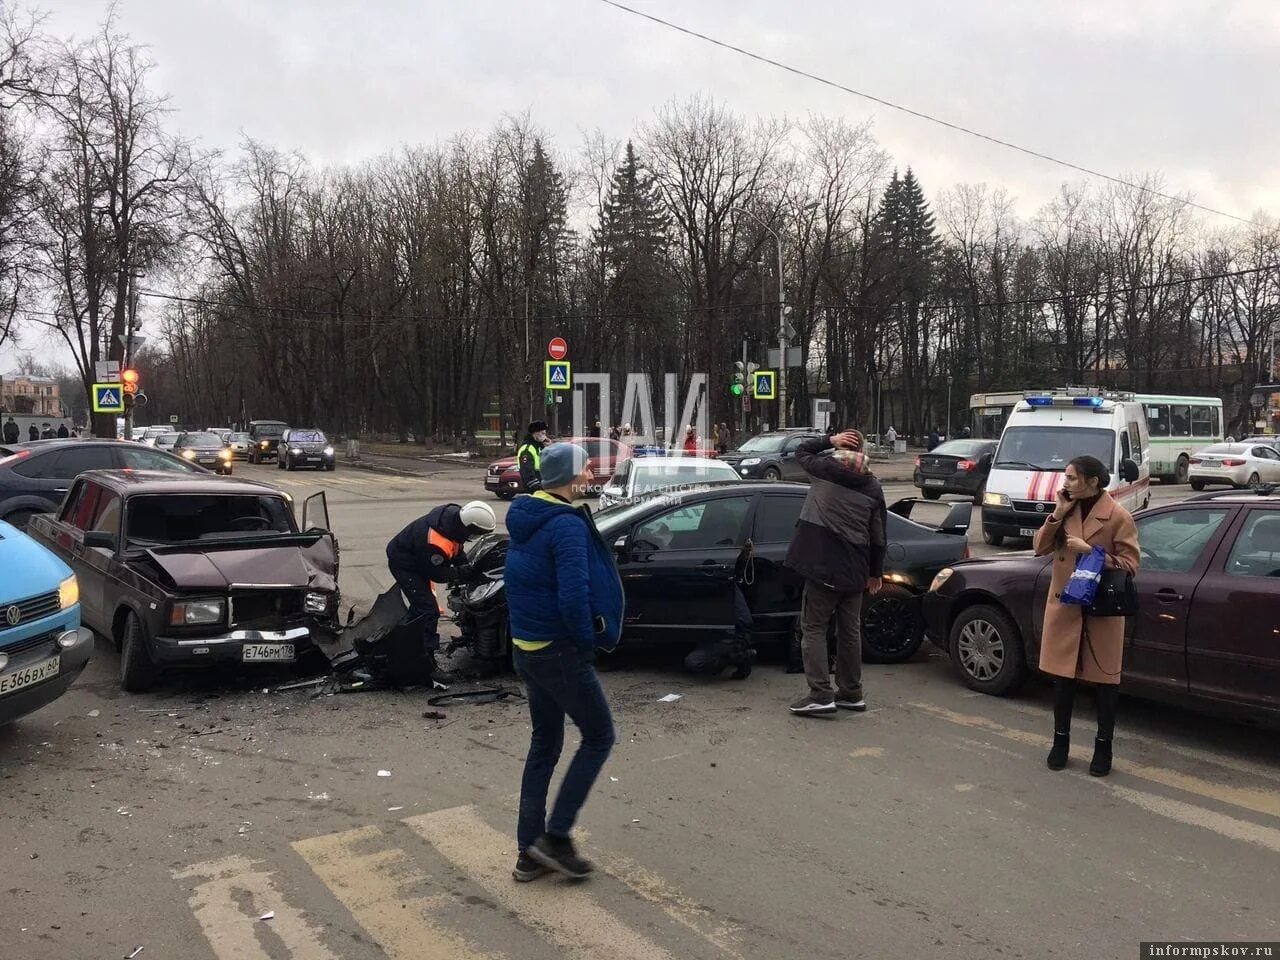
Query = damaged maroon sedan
x=181 y=571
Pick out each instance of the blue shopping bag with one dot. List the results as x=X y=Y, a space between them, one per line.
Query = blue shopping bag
x=1082 y=588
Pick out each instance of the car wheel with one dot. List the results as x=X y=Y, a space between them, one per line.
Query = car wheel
x=931 y=494
x=992 y=539
x=1197 y=485
x=20 y=518
x=503 y=496
x=1182 y=472
x=891 y=627
x=1255 y=481
x=986 y=649
x=331 y=467
x=772 y=474
x=137 y=669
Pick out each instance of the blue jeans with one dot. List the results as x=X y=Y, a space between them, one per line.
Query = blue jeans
x=560 y=680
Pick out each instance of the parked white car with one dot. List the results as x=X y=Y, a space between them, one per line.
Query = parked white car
x=1235 y=465
x=640 y=475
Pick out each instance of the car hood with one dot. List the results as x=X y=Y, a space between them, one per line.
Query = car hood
x=30 y=569
x=1004 y=563
x=505 y=464
x=307 y=560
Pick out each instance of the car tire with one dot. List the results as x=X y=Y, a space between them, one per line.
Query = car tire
x=892 y=630
x=772 y=474
x=1197 y=485
x=1182 y=472
x=137 y=669
x=931 y=494
x=1255 y=481
x=986 y=650
x=20 y=518
x=330 y=467
x=992 y=539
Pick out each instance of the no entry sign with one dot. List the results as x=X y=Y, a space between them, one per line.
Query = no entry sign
x=557 y=349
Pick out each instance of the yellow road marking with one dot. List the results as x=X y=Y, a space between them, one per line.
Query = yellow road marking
x=564 y=914
x=867 y=752
x=376 y=888
x=232 y=931
x=1248 y=798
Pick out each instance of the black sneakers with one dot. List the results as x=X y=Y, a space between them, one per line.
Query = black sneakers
x=558 y=854
x=528 y=869
x=808 y=706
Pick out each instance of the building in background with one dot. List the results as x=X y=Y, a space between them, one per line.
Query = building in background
x=30 y=395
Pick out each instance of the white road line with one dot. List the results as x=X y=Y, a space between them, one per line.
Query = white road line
x=232 y=931
x=377 y=888
x=564 y=914
x=1236 y=829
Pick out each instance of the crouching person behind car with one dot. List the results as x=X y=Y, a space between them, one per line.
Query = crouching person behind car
x=429 y=551
x=564 y=598
x=710 y=657
x=839 y=549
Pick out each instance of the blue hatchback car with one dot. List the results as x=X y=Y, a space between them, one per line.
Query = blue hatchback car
x=43 y=648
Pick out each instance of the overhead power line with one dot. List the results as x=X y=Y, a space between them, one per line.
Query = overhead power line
x=921 y=115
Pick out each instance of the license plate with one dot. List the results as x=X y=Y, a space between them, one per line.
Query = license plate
x=27 y=676
x=267 y=651
x=1027 y=531
x=934 y=483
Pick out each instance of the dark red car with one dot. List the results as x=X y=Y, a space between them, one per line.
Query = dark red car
x=1208 y=630
x=503 y=476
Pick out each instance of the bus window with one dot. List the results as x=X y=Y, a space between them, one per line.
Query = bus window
x=1158 y=419
x=1202 y=419
x=1217 y=423
x=1180 y=421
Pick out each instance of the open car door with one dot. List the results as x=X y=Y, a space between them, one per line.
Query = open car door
x=315 y=513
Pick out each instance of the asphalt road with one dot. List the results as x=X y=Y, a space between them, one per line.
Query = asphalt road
x=723 y=826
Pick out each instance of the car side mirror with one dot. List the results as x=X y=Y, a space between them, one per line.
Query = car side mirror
x=1128 y=471
x=101 y=539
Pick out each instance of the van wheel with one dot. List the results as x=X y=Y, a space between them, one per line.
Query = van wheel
x=986 y=650
x=993 y=539
x=137 y=669
x=1182 y=471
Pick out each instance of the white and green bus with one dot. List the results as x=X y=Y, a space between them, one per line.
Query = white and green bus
x=1179 y=426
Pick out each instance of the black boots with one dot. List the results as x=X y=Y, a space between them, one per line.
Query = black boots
x=1100 y=766
x=1057 y=758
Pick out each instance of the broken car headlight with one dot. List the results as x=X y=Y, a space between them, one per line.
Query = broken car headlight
x=195 y=612
x=315 y=602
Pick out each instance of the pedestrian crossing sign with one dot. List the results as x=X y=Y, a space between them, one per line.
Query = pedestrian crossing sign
x=108 y=398
x=558 y=376
x=763 y=384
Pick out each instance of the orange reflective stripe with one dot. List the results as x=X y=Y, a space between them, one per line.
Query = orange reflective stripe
x=442 y=543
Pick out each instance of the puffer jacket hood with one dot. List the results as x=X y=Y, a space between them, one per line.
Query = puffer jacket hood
x=528 y=515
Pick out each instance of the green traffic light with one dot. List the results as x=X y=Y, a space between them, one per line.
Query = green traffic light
x=736 y=389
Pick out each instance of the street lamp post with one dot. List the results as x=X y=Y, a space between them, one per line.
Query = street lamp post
x=948 y=406
x=782 y=320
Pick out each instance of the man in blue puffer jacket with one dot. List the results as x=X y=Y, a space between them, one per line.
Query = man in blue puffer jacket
x=565 y=601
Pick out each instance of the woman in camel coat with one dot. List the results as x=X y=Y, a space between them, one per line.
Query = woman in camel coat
x=1074 y=646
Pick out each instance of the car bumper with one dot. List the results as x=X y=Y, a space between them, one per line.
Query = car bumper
x=755 y=470
x=305 y=459
x=968 y=483
x=499 y=485
x=1007 y=522
x=179 y=651
x=1232 y=476
x=72 y=661
x=935 y=612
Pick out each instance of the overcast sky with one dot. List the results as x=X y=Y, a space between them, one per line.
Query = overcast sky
x=1183 y=87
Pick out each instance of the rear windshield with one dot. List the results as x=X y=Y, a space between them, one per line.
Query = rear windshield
x=963 y=448
x=182 y=518
x=1052 y=448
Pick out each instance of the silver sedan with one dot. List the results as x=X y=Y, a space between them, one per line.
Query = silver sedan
x=640 y=475
x=1235 y=465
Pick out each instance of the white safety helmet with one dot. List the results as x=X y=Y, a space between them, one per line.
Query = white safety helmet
x=478 y=518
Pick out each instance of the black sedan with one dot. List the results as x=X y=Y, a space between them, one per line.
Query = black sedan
x=305 y=448
x=35 y=476
x=957 y=466
x=678 y=554
x=205 y=449
x=770 y=456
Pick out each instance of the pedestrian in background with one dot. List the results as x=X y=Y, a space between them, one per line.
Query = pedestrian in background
x=838 y=548
x=11 y=432
x=724 y=438
x=1075 y=646
x=529 y=456
x=565 y=602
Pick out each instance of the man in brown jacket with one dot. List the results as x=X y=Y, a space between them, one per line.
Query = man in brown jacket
x=838 y=548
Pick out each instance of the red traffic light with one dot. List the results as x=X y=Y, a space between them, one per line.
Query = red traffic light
x=129 y=376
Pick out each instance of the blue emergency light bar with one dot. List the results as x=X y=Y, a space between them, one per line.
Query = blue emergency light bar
x=1065 y=401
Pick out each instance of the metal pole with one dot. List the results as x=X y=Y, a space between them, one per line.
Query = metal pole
x=948 y=408
x=782 y=342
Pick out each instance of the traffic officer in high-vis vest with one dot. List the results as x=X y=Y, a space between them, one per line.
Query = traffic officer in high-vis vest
x=529 y=456
x=429 y=551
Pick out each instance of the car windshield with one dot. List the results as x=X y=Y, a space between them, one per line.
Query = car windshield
x=306 y=436
x=963 y=448
x=1051 y=448
x=659 y=476
x=201 y=441
x=239 y=437
x=153 y=432
x=155 y=519
x=764 y=444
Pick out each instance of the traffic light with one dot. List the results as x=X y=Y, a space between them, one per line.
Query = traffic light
x=129 y=378
x=739 y=378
